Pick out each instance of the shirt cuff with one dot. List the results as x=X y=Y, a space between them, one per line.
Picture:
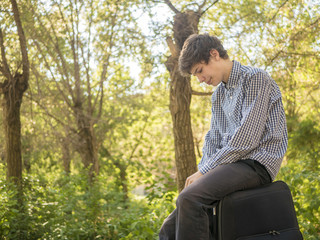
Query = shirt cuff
x=204 y=169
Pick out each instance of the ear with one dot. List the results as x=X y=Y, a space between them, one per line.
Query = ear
x=214 y=54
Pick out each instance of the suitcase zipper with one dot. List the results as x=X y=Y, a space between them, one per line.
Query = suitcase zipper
x=271 y=232
x=274 y=232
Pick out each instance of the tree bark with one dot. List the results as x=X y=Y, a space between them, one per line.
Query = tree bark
x=13 y=88
x=66 y=156
x=184 y=25
x=86 y=144
x=13 y=91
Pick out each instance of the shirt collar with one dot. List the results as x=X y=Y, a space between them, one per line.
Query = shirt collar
x=233 y=78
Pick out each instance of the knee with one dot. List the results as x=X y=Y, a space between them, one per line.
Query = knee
x=185 y=199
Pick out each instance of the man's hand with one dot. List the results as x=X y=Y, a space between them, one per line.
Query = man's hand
x=193 y=178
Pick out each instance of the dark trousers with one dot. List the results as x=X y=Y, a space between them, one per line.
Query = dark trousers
x=192 y=217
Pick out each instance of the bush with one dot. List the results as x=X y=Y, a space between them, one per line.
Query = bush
x=305 y=188
x=67 y=207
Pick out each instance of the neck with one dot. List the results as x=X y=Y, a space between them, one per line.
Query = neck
x=227 y=69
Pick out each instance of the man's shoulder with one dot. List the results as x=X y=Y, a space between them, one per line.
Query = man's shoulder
x=253 y=75
x=249 y=71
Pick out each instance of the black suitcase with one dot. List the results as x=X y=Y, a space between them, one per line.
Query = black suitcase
x=263 y=213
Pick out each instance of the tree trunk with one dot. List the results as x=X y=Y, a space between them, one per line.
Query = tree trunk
x=123 y=180
x=184 y=25
x=86 y=145
x=13 y=92
x=13 y=88
x=66 y=156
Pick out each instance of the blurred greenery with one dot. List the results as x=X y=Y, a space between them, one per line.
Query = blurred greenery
x=67 y=207
x=121 y=49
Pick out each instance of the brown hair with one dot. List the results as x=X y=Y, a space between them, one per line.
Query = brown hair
x=196 y=49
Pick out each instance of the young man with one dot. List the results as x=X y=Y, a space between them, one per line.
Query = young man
x=246 y=142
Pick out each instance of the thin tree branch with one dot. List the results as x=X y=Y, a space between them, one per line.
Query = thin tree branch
x=316 y=101
x=274 y=58
x=62 y=58
x=203 y=4
x=43 y=107
x=281 y=6
x=101 y=89
x=75 y=48
x=315 y=87
x=53 y=77
x=245 y=54
x=86 y=64
x=315 y=23
x=304 y=54
x=64 y=20
x=87 y=60
x=170 y=5
x=172 y=47
x=22 y=41
x=55 y=42
x=5 y=68
x=38 y=77
x=106 y=64
x=292 y=38
x=201 y=93
x=139 y=139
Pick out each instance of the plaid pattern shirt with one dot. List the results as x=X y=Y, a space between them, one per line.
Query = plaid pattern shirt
x=248 y=122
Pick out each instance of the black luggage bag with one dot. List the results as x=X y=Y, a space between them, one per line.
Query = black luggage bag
x=263 y=213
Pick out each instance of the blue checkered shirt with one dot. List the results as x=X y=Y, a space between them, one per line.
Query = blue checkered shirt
x=248 y=122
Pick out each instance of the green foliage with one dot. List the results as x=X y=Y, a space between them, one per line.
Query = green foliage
x=305 y=189
x=305 y=138
x=142 y=220
x=67 y=207
x=301 y=173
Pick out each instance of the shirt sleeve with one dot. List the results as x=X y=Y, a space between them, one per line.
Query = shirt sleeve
x=250 y=132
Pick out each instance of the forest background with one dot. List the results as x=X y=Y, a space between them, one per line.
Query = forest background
x=99 y=130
